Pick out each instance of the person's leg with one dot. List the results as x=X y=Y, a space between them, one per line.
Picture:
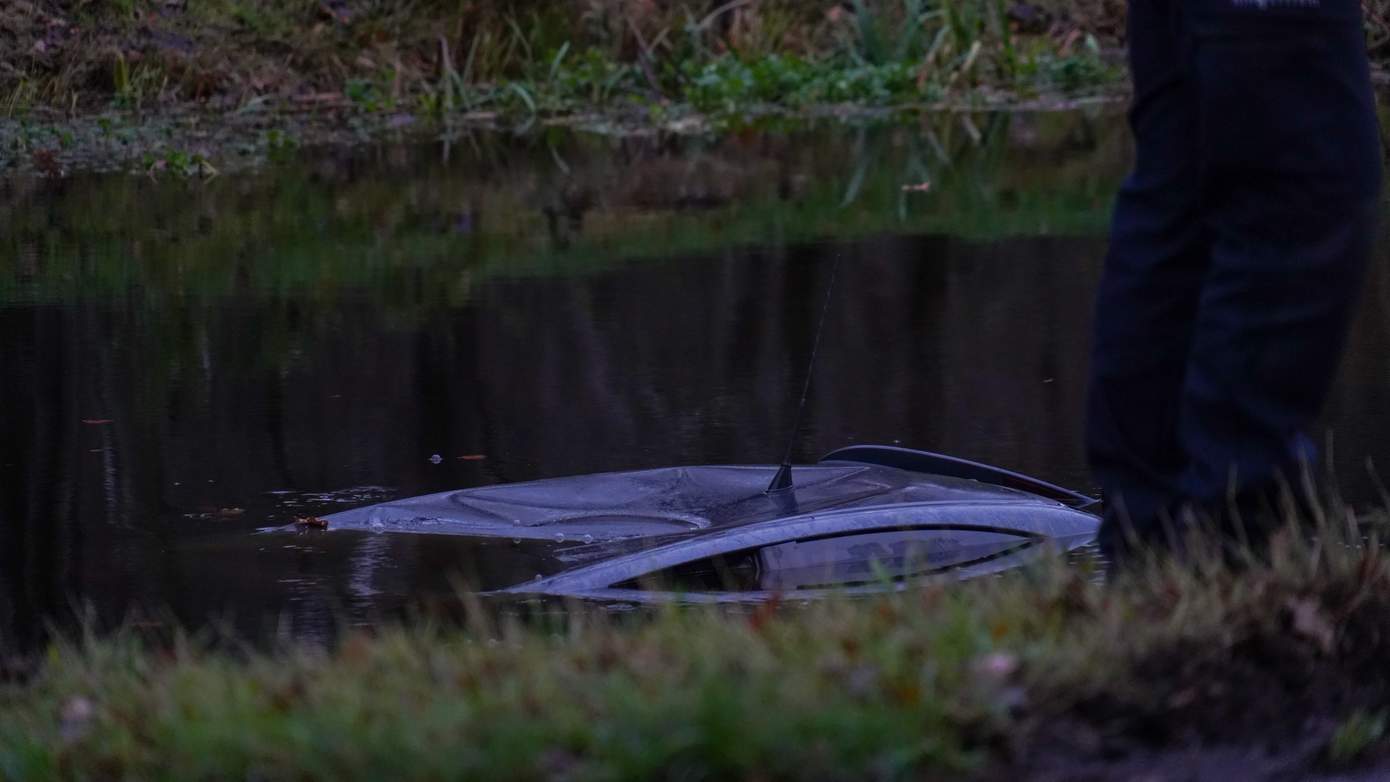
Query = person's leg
x=1149 y=291
x=1291 y=159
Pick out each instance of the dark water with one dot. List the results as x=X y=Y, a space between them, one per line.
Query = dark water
x=188 y=362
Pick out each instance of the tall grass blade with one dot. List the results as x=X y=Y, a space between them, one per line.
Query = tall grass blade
x=910 y=39
x=862 y=164
x=525 y=96
x=521 y=38
x=557 y=62
x=1008 y=61
x=463 y=82
x=447 y=76
x=870 y=47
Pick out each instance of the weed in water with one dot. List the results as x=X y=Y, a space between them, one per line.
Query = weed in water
x=729 y=85
x=179 y=163
x=280 y=146
x=595 y=78
x=1049 y=70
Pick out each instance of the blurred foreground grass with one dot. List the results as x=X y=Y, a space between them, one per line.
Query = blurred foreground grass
x=971 y=679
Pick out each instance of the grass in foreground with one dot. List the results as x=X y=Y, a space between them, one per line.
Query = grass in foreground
x=975 y=679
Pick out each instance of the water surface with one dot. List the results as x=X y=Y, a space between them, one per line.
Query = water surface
x=187 y=362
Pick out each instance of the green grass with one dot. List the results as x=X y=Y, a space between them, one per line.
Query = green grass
x=733 y=85
x=1355 y=736
x=937 y=680
x=535 y=57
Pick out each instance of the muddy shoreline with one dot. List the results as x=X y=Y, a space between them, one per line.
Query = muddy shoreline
x=200 y=142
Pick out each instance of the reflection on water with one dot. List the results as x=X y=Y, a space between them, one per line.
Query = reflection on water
x=187 y=363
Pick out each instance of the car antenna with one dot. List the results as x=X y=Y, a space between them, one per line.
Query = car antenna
x=782 y=481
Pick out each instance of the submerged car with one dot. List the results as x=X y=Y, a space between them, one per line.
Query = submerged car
x=864 y=518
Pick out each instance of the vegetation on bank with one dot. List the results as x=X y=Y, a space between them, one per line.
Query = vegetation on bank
x=1038 y=667
x=537 y=57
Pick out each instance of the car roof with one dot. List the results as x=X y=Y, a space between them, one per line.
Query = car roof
x=666 y=501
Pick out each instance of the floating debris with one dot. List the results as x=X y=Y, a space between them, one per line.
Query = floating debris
x=312 y=522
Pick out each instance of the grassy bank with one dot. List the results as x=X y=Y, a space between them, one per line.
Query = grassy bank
x=544 y=56
x=1034 y=670
x=181 y=86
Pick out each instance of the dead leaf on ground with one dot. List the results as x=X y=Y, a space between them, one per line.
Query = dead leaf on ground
x=76 y=718
x=1183 y=698
x=996 y=666
x=46 y=161
x=321 y=98
x=312 y=522
x=764 y=612
x=1311 y=622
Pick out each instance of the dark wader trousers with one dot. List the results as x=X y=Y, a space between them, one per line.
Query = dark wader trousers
x=1238 y=248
